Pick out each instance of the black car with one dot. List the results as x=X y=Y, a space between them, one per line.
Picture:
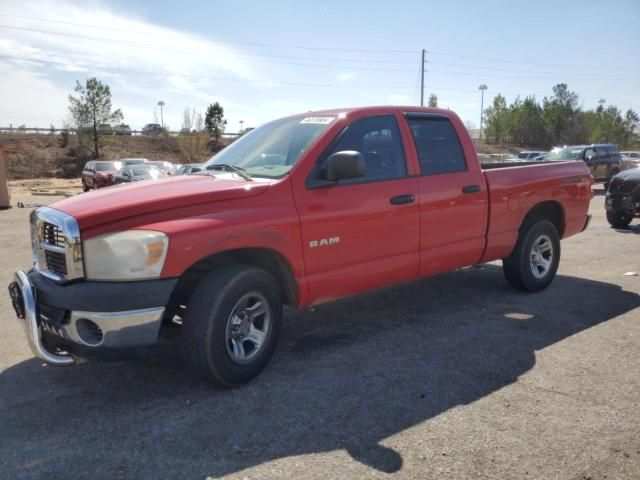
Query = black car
x=136 y=173
x=623 y=198
x=604 y=160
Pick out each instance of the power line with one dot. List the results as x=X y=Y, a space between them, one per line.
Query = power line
x=434 y=88
x=499 y=60
x=207 y=77
x=306 y=64
x=300 y=47
x=255 y=44
x=114 y=41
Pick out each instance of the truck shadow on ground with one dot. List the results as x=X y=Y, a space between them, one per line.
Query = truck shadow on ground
x=346 y=376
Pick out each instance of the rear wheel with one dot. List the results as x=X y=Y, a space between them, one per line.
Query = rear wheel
x=533 y=264
x=619 y=218
x=232 y=324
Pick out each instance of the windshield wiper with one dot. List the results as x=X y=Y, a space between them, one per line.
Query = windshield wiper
x=233 y=168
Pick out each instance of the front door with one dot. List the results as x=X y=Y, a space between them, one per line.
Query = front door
x=363 y=233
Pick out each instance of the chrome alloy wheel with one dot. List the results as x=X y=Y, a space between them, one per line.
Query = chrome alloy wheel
x=248 y=327
x=541 y=257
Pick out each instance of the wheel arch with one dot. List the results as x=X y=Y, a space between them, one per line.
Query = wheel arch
x=551 y=211
x=267 y=259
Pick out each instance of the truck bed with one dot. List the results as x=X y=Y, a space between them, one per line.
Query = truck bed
x=515 y=187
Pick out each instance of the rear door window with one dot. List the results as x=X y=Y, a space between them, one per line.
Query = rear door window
x=438 y=145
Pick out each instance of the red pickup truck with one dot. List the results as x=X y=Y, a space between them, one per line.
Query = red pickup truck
x=303 y=210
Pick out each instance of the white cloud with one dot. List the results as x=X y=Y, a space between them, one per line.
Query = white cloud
x=141 y=61
x=28 y=98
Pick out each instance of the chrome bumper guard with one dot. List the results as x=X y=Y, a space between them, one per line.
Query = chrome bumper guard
x=32 y=328
x=132 y=328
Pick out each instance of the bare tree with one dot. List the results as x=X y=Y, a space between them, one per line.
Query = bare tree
x=187 y=119
x=193 y=140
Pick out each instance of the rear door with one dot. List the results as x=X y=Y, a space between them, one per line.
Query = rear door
x=453 y=196
x=362 y=233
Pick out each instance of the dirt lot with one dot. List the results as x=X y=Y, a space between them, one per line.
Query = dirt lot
x=447 y=378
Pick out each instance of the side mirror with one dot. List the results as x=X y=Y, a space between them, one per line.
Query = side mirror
x=590 y=156
x=343 y=165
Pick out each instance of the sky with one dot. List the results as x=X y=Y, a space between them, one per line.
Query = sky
x=266 y=59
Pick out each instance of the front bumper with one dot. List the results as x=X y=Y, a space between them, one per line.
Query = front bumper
x=88 y=319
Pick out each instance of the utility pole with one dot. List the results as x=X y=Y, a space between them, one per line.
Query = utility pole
x=422 y=62
x=161 y=104
x=241 y=123
x=482 y=88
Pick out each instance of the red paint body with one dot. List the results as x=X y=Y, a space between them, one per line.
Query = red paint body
x=380 y=244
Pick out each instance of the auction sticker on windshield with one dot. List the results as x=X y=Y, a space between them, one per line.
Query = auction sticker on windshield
x=318 y=120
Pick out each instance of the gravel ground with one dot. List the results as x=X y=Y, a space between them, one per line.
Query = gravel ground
x=447 y=378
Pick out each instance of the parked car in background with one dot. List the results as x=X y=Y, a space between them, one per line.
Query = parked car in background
x=631 y=159
x=530 y=155
x=623 y=198
x=105 y=129
x=152 y=129
x=167 y=167
x=188 y=168
x=604 y=160
x=97 y=174
x=137 y=173
x=631 y=155
x=125 y=162
x=122 y=129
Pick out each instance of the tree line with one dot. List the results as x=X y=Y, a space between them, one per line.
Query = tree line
x=92 y=107
x=558 y=120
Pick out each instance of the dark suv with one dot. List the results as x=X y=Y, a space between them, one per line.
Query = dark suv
x=623 y=198
x=603 y=159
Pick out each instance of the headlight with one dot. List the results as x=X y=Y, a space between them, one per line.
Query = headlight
x=129 y=255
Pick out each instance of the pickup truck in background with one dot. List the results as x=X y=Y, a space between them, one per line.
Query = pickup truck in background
x=603 y=159
x=300 y=211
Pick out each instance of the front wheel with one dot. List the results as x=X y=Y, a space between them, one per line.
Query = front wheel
x=533 y=264
x=232 y=324
x=619 y=218
x=84 y=187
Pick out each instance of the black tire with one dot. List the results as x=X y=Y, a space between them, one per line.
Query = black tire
x=519 y=267
x=208 y=318
x=619 y=218
x=84 y=187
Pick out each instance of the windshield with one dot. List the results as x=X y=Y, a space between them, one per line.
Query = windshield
x=102 y=167
x=144 y=170
x=565 y=154
x=274 y=148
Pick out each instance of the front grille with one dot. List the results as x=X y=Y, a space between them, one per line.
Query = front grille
x=57 y=251
x=52 y=234
x=56 y=262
